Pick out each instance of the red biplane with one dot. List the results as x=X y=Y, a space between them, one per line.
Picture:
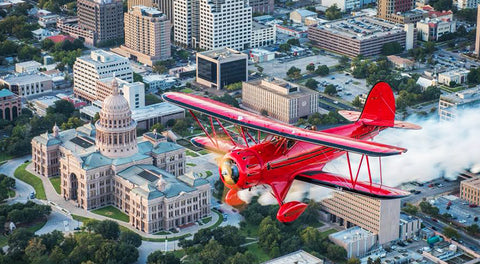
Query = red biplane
x=263 y=151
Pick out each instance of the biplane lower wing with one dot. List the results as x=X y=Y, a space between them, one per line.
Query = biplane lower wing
x=335 y=181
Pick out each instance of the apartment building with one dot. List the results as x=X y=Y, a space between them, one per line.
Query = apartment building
x=26 y=84
x=220 y=67
x=379 y=216
x=10 y=105
x=282 y=100
x=147 y=35
x=99 y=64
x=213 y=24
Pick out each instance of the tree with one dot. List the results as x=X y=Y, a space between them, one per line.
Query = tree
x=310 y=67
x=450 y=232
x=61 y=107
x=410 y=209
x=183 y=54
x=158 y=127
x=72 y=122
x=322 y=70
x=330 y=89
x=294 y=72
x=131 y=238
x=429 y=47
x=284 y=47
x=233 y=86
x=293 y=42
x=137 y=77
x=356 y=101
x=269 y=235
x=240 y=258
x=213 y=252
x=311 y=83
x=473 y=230
x=391 y=48
x=259 y=68
x=353 y=261
x=18 y=240
x=35 y=251
x=452 y=84
x=157 y=257
x=108 y=229
x=312 y=239
x=264 y=112
x=344 y=61
x=333 y=12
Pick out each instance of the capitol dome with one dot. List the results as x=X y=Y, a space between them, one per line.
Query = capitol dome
x=116 y=130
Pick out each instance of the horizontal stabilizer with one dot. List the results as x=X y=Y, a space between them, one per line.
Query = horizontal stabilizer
x=353 y=116
x=331 y=180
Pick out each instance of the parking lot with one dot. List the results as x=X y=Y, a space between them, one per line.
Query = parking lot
x=459 y=209
x=429 y=189
x=347 y=86
x=279 y=69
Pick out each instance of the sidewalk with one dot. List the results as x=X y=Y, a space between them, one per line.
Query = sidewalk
x=69 y=208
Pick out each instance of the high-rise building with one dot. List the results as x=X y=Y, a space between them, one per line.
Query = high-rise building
x=165 y=6
x=379 y=216
x=477 y=38
x=99 y=64
x=282 y=100
x=147 y=3
x=147 y=35
x=213 y=24
x=399 y=11
x=102 y=17
x=262 y=6
x=220 y=67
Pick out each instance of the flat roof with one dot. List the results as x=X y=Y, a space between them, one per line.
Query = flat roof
x=23 y=78
x=299 y=257
x=102 y=57
x=361 y=27
x=352 y=234
x=464 y=97
x=29 y=63
x=223 y=53
x=154 y=110
x=302 y=91
x=473 y=182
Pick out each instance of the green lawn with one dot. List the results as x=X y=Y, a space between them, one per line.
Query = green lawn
x=329 y=231
x=249 y=230
x=56 y=183
x=35 y=227
x=80 y=218
x=162 y=233
x=258 y=252
x=151 y=99
x=209 y=173
x=112 y=212
x=206 y=219
x=203 y=152
x=186 y=90
x=23 y=175
x=191 y=153
x=191 y=164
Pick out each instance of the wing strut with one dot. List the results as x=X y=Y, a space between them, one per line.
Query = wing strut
x=214 y=142
x=354 y=181
x=226 y=132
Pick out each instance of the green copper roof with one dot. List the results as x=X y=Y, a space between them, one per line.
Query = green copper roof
x=5 y=93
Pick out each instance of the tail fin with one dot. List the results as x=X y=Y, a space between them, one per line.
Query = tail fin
x=379 y=109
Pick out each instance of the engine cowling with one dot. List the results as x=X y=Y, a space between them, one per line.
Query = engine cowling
x=240 y=169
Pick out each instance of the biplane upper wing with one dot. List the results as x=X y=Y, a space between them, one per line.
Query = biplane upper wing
x=331 y=180
x=253 y=121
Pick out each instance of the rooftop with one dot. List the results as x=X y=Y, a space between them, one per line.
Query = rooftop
x=29 y=64
x=147 y=11
x=351 y=235
x=474 y=182
x=361 y=27
x=282 y=87
x=25 y=78
x=223 y=53
x=304 y=12
x=464 y=97
x=299 y=257
x=160 y=109
x=5 y=93
x=101 y=57
x=257 y=26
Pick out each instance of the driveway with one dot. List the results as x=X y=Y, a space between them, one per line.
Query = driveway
x=22 y=190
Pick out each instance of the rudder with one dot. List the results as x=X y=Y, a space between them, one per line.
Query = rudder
x=379 y=109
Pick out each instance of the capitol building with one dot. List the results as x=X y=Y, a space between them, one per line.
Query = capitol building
x=107 y=164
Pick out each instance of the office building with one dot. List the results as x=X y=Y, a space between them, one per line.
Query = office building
x=220 y=67
x=379 y=216
x=430 y=29
x=457 y=76
x=262 y=35
x=106 y=164
x=27 y=66
x=10 y=105
x=399 y=11
x=147 y=3
x=344 y=5
x=99 y=64
x=261 y=55
x=470 y=190
x=449 y=104
x=360 y=35
x=477 y=36
x=147 y=35
x=463 y=4
x=134 y=92
x=262 y=6
x=282 y=100
x=298 y=16
x=356 y=241
x=410 y=226
x=158 y=82
x=99 y=21
x=26 y=84
x=215 y=24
